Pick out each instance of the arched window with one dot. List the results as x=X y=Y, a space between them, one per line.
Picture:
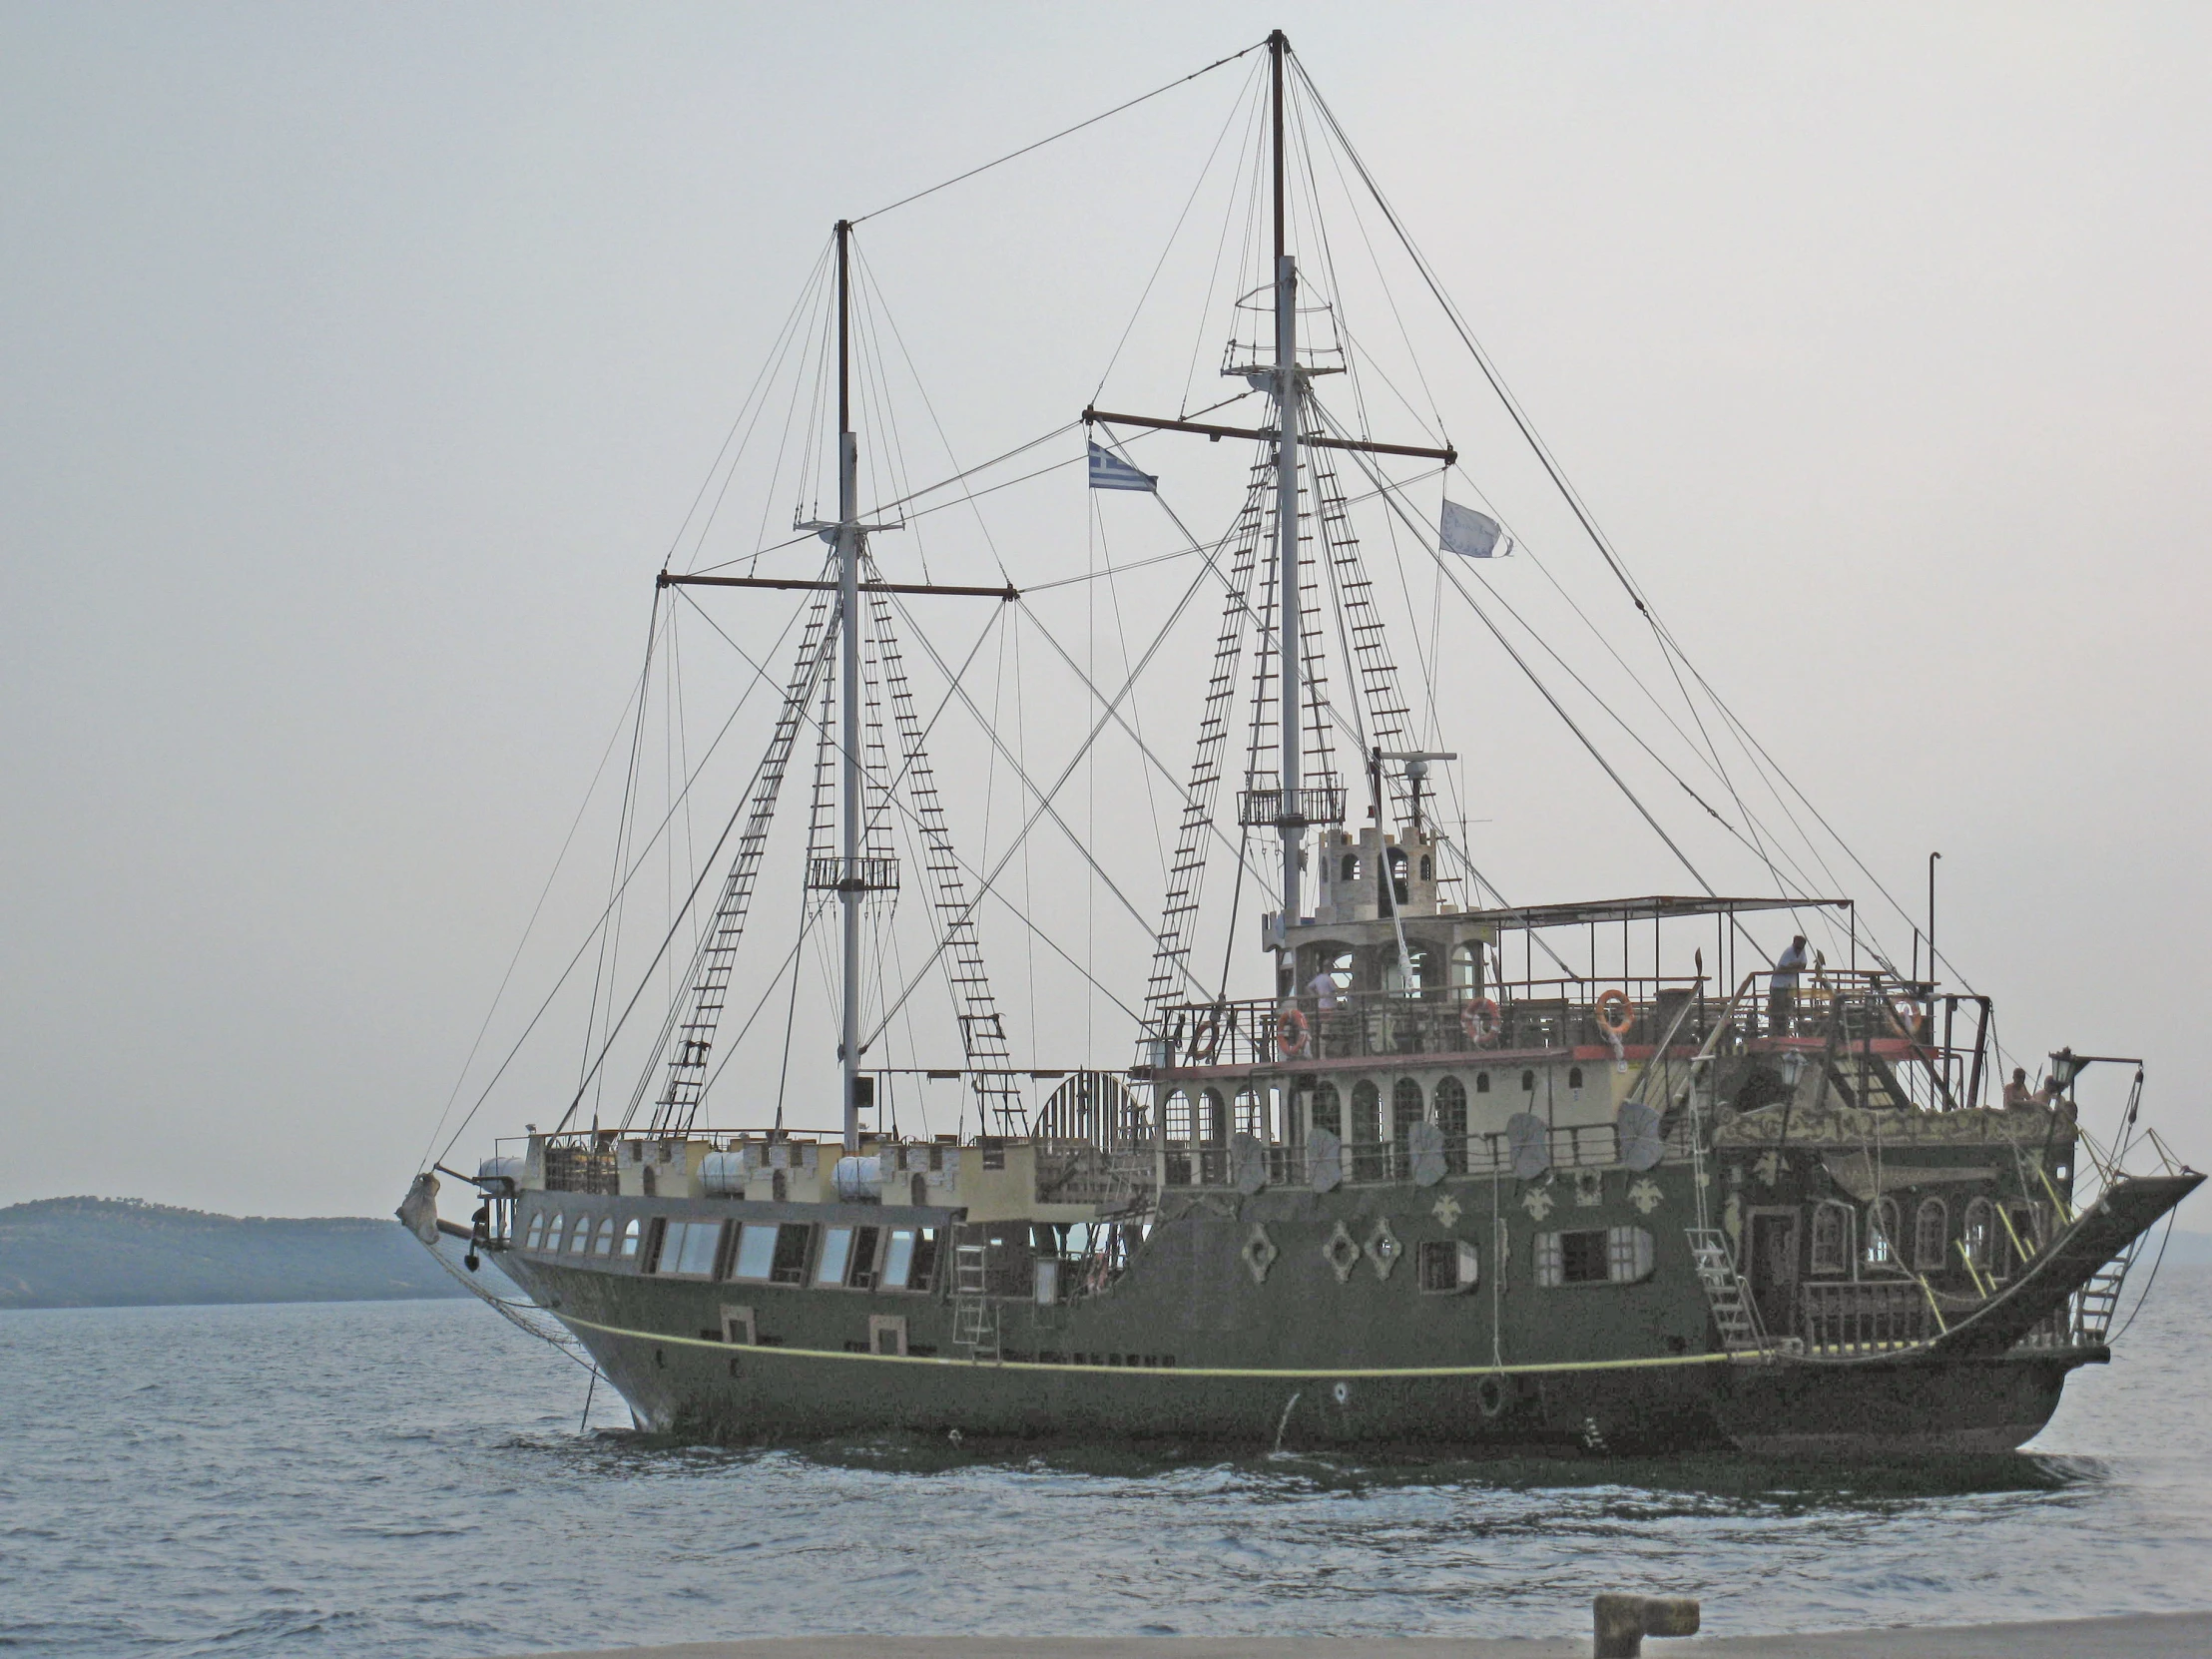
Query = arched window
x=1881 y=1233
x=1350 y=870
x=1178 y=1116
x=1481 y=1082
x=1251 y=1116
x=1980 y=1236
x=1328 y=1110
x=579 y=1241
x=1575 y=1077
x=1396 y=857
x=604 y=1244
x=1451 y=1118
x=1466 y=968
x=1427 y=867
x=1930 y=1233
x=1366 y=1132
x=1407 y=1107
x=1528 y=1082
x=630 y=1238
x=536 y=1233
x=1831 y=1238
x=1213 y=1126
x=553 y=1236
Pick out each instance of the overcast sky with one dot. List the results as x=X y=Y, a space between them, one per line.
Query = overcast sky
x=358 y=365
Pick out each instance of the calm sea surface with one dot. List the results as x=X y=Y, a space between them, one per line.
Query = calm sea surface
x=408 y=1479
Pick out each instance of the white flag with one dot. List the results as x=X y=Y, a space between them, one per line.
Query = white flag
x=1110 y=472
x=1471 y=534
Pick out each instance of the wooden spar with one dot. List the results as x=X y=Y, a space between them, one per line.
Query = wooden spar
x=1448 y=456
x=669 y=579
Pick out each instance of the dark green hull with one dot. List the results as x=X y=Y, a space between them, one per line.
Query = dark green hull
x=1211 y=1336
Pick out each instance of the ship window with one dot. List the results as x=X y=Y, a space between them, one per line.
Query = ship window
x=1251 y=1117
x=1350 y=868
x=755 y=1251
x=1980 y=1236
x=536 y=1233
x=898 y=1260
x=1451 y=1118
x=553 y=1234
x=629 y=1238
x=792 y=1240
x=1575 y=1077
x=1177 y=1116
x=1930 y=1230
x=1407 y=1108
x=1831 y=1238
x=1427 y=867
x=2023 y=1224
x=1481 y=1082
x=1366 y=1132
x=1528 y=1082
x=1449 y=1265
x=702 y=1241
x=604 y=1244
x=863 y=1276
x=1213 y=1124
x=1396 y=860
x=1328 y=1110
x=580 y=1240
x=1593 y=1256
x=1465 y=968
x=836 y=1251
x=1881 y=1233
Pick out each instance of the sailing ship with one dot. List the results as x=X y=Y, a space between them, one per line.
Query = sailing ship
x=1451 y=1174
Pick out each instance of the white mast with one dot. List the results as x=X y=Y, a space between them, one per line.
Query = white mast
x=850 y=886
x=1289 y=819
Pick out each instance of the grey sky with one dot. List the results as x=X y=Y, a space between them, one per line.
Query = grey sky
x=359 y=364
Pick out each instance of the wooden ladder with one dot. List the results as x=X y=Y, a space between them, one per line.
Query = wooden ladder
x=1734 y=1311
x=2096 y=1301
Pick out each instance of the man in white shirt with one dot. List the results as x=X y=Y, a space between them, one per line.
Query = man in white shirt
x=1781 y=988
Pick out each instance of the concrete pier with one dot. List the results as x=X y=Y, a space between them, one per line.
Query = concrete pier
x=2134 y=1636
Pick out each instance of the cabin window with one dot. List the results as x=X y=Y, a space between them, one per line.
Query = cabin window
x=910 y=1257
x=1930 y=1233
x=580 y=1240
x=1466 y=969
x=1448 y=1266
x=1397 y=859
x=1451 y=1118
x=1328 y=1110
x=862 y=1274
x=1481 y=1082
x=604 y=1245
x=1348 y=870
x=1213 y=1125
x=792 y=1240
x=1575 y=1077
x=1366 y=1132
x=1831 y=1238
x=553 y=1234
x=1407 y=1107
x=1980 y=1236
x=1881 y=1233
x=536 y=1233
x=1251 y=1116
x=755 y=1251
x=1178 y=1117
x=837 y=1252
x=1427 y=867
x=689 y=1248
x=629 y=1238
x=1593 y=1256
x=1528 y=1082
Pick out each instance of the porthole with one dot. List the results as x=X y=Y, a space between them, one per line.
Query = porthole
x=1340 y=1392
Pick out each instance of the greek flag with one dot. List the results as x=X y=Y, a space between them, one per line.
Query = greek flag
x=1110 y=472
x=1471 y=534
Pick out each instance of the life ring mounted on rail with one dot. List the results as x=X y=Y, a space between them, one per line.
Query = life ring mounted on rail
x=1480 y=1020
x=1206 y=1038
x=1609 y=1003
x=1292 y=1034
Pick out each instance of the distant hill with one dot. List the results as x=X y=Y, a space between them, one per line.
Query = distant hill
x=124 y=1252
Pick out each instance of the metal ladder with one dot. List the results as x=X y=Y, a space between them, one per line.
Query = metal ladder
x=1726 y=1294
x=2096 y=1301
x=974 y=1317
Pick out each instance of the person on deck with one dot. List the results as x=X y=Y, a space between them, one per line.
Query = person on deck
x=1781 y=988
x=1323 y=987
x=2016 y=1092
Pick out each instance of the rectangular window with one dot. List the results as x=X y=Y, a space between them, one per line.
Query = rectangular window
x=738 y=1326
x=836 y=1251
x=756 y=1251
x=789 y=1266
x=926 y=1260
x=1449 y=1265
x=862 y=1275
x=1582 y=1258
x=1593 y=1256
x=898 y=1260
x=1628 y=1255
x=656 y=1245
x=702 y=1239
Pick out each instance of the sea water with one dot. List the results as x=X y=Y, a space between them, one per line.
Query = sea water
x=416 y=1479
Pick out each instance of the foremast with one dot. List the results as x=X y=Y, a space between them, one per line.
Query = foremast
x=852 y=888
x=1290 y=818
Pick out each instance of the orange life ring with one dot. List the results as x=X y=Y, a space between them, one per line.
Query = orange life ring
x=1206 y=1038
x=1615 y=999
x=1478 y=1019
x=1292 y=1033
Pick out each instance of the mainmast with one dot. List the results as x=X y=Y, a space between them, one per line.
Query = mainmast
x=851 y=887
x=1290 y=818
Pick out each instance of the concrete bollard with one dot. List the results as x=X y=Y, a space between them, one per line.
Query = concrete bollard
x=1625 y=1621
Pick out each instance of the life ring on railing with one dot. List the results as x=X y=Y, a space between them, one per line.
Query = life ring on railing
x=1478 y=1019
x=1206 y=1038
x=1292 y=1033
x=1609 y=1000
x=1906 y=1017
